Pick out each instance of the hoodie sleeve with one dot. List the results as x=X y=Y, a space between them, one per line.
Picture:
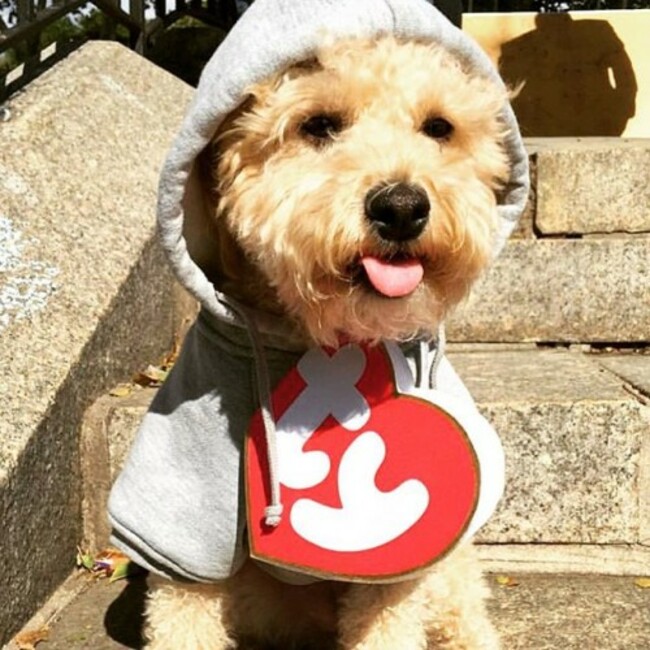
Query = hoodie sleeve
x=177 y=508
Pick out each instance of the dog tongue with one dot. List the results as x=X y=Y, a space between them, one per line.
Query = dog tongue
x=395 y=278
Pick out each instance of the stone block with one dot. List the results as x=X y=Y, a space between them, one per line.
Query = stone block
x=108 y=431
x=575 y=441
x=593 y=185
x=85 y=295
x=573 y=437
x=634 y=370
x=584 y=74
x=575 y=290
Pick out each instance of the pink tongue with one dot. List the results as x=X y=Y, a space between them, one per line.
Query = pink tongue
x=393 y=279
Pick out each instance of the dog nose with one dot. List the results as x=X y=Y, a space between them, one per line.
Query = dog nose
x=398 y=212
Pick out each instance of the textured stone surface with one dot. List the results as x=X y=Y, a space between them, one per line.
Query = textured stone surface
x=573 y=437
x=585 y=559
x=633 y=368
x=597 y=185
x=583 y=290
x=584 y=74
x=85 y=296
x=541 y=612
x=572 y=612
x=109 y=428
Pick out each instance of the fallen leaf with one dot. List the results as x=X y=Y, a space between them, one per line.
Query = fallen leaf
x=112 y=564
x=172 y=355
x=121 y=570
x=507 y=581
x=109 y=563
x=121 y=390
x=29 y=640
x=84 y=559
x=152 y=376
x=642 y=583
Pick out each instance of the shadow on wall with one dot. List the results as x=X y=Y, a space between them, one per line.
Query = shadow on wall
x=578 y=78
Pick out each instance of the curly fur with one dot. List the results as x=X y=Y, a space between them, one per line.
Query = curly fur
x=444 y=610
x=289 y=220
x=290 y=213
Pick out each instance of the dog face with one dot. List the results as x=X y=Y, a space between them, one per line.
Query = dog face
x=357 y=192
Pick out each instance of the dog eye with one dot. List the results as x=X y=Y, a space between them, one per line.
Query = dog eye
x=437 y=128
x=323 y=126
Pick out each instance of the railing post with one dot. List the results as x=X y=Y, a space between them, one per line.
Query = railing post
x=25 y=10
x=139 y=43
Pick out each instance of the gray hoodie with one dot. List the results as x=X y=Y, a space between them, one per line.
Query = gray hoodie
x=178 y=507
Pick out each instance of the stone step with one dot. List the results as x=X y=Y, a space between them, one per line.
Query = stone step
x=85 y=294
x=576 y=269
x=575 y=428
x=576 y=440
x=561 y=290
x=590 y=185
x=539 y=612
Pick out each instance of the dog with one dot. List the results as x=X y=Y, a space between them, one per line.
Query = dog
x=354 y=194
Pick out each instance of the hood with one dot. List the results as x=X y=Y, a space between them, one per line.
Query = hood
x=270 y=36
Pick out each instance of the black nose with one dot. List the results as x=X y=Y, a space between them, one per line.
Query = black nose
x=398 y=212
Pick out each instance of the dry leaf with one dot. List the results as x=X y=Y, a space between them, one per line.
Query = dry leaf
x=85 y=559
x=29 y=640
x=152 y=377
x=506 y=581
x=110 y=563
x=642 y=583
x=121 y=390
x=172 y=355
x=121 y=570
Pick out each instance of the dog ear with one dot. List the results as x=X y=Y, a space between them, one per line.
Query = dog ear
x=199 y=212
x=215 y=249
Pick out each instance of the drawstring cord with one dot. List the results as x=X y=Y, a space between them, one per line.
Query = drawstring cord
x=428 y=368
x=273 y=511
x=431 y=364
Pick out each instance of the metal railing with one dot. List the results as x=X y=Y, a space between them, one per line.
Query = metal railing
x=133 y=21
x=32 y=50
x=549 y=6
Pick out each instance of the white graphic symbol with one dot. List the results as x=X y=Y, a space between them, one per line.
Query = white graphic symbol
x=330 y=390
x=369 y=518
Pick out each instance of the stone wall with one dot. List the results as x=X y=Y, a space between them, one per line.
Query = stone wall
x=85 y=294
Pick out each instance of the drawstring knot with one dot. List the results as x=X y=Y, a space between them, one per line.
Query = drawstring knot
x=273 y=514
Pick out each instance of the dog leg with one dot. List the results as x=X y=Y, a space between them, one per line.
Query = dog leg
x=455 y=614
x=443 y=610
x=383 y=617
x=288 y=616
x=185 y=617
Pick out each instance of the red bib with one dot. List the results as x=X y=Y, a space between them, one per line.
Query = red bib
x=378 y=479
